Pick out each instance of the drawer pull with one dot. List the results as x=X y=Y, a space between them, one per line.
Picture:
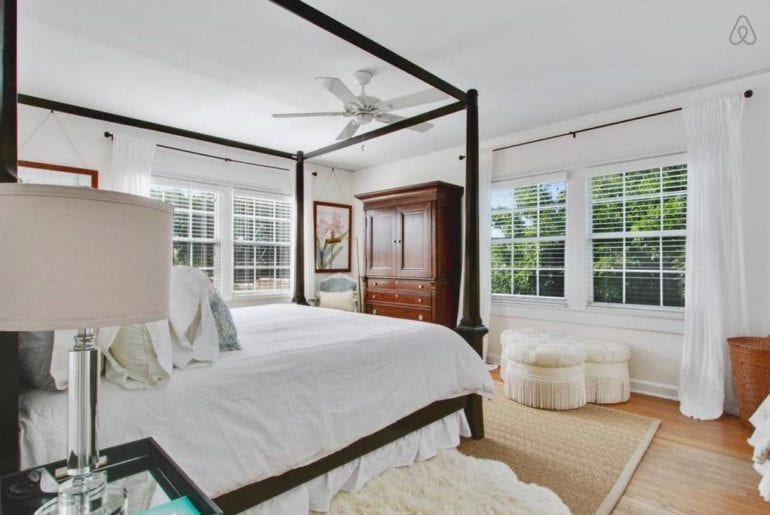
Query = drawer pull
x=374 y=296
x=420 y=286
x=396 y=295
x=419 y=317
x=376 y=283
x=395 y=282
x=419 y=300
x=374 y=311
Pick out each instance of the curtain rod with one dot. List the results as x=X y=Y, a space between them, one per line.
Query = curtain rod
x=748 y=94
x=110 y=135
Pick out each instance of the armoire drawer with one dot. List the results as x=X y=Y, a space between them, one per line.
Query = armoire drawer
x=406 y=312
x=399 y=284
x=400 y=297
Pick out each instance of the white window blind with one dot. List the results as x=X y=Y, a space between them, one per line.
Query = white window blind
x=638 y=223
x=528 y=240
x=261 y=244
x=195 y=227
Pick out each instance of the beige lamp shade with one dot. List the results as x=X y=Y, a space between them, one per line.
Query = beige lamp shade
x=73 y=258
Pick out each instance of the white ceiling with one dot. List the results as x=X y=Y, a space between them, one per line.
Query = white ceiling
x=223 y=67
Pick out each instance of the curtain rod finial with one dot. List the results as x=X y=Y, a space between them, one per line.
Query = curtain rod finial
x=748 y=93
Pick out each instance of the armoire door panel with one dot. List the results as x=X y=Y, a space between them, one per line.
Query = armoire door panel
x=380 y=241
x=415 y=255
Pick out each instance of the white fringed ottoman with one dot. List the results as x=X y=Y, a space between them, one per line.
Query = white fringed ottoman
x=544 y=375
x=606 y=371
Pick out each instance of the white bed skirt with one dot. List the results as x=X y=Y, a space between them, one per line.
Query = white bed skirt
x=316 y=495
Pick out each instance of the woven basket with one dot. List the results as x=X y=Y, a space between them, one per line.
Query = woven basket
x=750 y=357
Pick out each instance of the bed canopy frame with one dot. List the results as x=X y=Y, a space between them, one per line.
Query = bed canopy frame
x=470 y=327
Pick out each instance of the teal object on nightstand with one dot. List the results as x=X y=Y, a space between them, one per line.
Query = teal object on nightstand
x=180 y=506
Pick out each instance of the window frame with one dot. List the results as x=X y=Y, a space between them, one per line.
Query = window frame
x=224 y=230
x=536 y=180
x=262 y=195
x=588 y=174
x=217 y=240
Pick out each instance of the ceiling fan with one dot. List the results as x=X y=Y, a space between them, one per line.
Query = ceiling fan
x=364 y=108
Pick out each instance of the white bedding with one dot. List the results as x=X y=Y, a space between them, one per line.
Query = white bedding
x=309 y=381
x=760 y=440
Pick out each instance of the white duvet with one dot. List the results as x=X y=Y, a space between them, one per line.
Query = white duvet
x=760 y=440
x=309 y=381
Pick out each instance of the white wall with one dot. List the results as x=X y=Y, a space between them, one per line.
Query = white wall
x=655 y=337
x=756 y=207
x=329 y=185
x=81 y=143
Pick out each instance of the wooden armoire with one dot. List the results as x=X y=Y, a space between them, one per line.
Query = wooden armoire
x=413 y=252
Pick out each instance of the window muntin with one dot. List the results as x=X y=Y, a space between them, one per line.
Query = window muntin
x=261 y=244
x=528 y=240
x=638 y=222
x=195 y=236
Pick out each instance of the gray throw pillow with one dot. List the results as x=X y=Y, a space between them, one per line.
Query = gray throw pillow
x=228 y=335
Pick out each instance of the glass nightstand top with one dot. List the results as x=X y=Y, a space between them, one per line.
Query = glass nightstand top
x=154 y=483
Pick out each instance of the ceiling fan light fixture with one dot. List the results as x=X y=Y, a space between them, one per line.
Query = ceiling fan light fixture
x=364 y=118
x=363 y=108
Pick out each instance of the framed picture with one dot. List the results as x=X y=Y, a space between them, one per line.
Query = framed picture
x=31 y=172
x=332 y=236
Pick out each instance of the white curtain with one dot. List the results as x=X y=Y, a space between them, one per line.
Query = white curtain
x=131 y=166
x=715 y=290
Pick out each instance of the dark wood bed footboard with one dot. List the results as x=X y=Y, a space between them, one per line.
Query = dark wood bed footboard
x=255 y=493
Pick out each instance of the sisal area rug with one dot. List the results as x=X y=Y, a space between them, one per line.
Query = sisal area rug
x=587 y=456
x=449 y=483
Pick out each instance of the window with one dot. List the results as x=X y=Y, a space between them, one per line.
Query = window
x=638 y=222
x=195 y=227
x=528 y=240
x=261 y=244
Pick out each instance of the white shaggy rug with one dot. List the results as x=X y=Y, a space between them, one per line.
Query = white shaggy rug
x=449 y=483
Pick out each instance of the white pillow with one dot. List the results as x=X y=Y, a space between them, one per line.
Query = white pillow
x=137 y=356
x=344 y=300
x=194 y=336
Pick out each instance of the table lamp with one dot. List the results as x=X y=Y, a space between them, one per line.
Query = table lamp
x=77 y=258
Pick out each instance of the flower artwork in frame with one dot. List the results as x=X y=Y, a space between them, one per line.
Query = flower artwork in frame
x=332 y=236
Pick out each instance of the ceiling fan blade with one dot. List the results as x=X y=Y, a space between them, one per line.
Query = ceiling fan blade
x=415 y=99
x=391 y=118
x=338 y=88
x=349 y=130
x=302 y=115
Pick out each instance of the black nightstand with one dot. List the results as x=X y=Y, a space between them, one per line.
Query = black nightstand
x=142 y=467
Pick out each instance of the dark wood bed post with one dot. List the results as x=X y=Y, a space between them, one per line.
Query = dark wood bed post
x=9 y=342
x=299 y=231
x=471 y=327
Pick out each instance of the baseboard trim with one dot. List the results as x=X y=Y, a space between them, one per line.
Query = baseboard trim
x=664 y=391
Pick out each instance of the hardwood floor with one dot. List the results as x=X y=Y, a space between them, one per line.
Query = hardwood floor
x=699 y=467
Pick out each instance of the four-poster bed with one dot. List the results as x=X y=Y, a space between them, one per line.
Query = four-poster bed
x=470 y=327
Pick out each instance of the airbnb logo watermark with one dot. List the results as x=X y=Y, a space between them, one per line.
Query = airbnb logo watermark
x=743 y=32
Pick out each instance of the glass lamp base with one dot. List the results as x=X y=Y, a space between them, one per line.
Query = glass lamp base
x=87 y=495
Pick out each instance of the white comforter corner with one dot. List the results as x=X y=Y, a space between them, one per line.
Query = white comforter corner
x=760 y=440
x=309 y=382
